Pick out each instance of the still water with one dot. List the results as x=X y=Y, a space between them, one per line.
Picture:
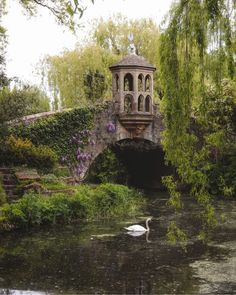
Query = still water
x=101 y=258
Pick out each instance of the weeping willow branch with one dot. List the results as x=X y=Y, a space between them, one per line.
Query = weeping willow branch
x=191 y=59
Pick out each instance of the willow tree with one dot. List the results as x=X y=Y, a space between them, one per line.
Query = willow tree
x=196 y=54
x=113 y=34
x=3 y=78
x=82 y=75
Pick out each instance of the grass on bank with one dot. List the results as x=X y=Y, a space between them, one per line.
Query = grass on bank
x=103 y=201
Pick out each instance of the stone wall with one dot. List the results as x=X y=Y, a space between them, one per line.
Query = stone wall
x=108 y=130
x=103 y=136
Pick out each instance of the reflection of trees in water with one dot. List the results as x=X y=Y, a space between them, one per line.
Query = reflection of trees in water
x=68 y=260
x=121 y=265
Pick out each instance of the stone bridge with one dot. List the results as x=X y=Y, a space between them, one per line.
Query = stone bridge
x=130 y=123
x=131 y=120
x=135 y=132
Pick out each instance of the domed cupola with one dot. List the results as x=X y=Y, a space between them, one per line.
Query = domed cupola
x=132 y=89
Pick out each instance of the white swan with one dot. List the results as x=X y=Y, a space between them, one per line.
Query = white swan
x=139 y=228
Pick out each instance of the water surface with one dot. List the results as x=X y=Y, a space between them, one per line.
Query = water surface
x=101 y=258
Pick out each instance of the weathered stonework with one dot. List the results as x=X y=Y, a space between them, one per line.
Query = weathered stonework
x=131 y=110
x=130 y=115
x=104 y=138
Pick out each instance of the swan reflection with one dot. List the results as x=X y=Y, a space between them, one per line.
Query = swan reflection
x=138 y=234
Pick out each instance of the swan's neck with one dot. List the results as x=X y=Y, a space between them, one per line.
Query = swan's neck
x=147 y=225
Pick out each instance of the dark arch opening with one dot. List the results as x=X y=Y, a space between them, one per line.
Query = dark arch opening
x=148 y=83
x=148 y=104
x=138 y=163
x=128 y=82
x=140 y=82
x=141 y=103
x=128 y=103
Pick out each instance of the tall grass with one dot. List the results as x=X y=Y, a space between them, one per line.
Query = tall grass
x=103 y=201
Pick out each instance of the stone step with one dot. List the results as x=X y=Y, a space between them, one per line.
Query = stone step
x=9 y=186
x=11 y=192
x=9 y=178
x=13 y=198
x=9 y=182
x=6 y=180
x=10 y=189
x=8 y=175
x=5 y=170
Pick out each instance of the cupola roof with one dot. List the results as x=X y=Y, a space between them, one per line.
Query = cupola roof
x=133 y=61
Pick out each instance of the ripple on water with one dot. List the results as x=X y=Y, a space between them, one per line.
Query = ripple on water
x=101 y=258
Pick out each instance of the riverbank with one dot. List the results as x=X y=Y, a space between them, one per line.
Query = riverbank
x=99 y=256
x=83 y=202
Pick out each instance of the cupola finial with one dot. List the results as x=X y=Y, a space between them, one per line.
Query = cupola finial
x=132 y=48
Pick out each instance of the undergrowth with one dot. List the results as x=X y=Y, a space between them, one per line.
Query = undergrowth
x=103 y=201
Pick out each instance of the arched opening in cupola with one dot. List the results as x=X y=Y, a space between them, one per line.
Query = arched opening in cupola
x=141 y=103
x=148 y=83
x=148 y=104
x=128 y=82
x=140 y=82
x=128 y=103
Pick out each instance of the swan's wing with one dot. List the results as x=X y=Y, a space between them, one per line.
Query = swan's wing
x=135 y=227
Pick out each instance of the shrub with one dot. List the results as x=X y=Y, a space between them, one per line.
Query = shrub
x=106 y=200
x=222 y=175
x=16 y=102
x=107 y=168
x=58 y=130
x=50 y=178
x=18 y=151
x=34 y=210
x=110 y=200
x=117 y=200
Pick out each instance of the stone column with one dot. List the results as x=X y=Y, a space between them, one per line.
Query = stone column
x=135 y=90
x=113 y=85
x=151 y=93
x=121 y=94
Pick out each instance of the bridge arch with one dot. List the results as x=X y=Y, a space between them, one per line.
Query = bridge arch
x=142 y=159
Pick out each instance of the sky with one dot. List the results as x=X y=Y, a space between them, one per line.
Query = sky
x=30 y=39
